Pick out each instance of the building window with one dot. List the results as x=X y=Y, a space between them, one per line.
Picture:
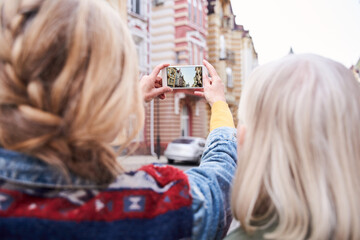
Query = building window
x=190 y=7
x=195 y=11
x=200 y=14
x=185 y=121
x=195 y=54
x=229 y=77
x=135 y=6
x=177 y=57
x=141 y=51
x=222 y=48
x=191 y=53
x=159 y=2
x=180 y=57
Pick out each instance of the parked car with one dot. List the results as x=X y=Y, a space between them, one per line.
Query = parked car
x=185 y=149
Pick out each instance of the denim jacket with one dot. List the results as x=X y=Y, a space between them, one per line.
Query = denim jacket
x=209 y=183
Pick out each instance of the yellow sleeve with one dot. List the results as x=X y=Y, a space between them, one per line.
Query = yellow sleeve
x=221 y=116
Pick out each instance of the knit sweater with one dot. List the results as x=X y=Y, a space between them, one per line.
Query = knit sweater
x=151 y=203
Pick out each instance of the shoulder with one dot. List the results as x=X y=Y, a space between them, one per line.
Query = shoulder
x=240 y=234
x=235 y=234
x=158 y=181
x=222 y=133
x=165 y=174
x=159 y=178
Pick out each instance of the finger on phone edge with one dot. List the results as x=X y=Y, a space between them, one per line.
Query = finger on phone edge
x=158 y=68
x=210 y=68
x=207 y=81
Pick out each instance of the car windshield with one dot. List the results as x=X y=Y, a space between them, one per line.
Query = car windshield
x=183 y=140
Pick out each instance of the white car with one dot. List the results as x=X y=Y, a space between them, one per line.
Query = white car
x=185 y=149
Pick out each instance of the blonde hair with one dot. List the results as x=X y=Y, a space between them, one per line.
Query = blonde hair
x=298 y=169
x=68 y=84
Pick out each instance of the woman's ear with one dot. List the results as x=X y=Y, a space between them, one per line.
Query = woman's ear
x=241 y=132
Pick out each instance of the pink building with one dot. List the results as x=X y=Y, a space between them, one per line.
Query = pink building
x=178 y=31
x=190 y=31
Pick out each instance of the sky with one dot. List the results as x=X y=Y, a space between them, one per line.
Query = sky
x=330 y=28
x=189 y=74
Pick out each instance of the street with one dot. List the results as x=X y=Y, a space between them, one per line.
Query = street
x=134 y=162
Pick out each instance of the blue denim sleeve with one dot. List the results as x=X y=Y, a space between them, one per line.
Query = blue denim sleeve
x=210 y=185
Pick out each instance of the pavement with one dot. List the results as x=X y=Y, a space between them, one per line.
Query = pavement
x=134 y=162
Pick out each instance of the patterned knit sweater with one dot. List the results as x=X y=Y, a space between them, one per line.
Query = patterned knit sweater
x=135 y=206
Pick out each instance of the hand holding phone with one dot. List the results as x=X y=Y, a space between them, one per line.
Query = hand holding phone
x=214 y=89
x=151 y=85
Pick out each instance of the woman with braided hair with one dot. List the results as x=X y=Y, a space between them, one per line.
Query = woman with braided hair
x=68 y=88
x=54 y=93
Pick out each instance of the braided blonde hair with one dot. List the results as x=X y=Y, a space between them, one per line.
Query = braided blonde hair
x=68 y=84
x=298 y=168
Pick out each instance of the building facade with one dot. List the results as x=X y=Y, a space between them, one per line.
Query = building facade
x=184 y=32
x=231 y=51
x=137 y=15
x=178 y=31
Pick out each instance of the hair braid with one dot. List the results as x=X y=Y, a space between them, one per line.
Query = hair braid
x=49 y=78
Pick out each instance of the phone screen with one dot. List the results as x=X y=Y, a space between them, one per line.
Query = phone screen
x=184 y=76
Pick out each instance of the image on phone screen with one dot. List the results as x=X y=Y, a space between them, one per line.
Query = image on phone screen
x=184 y=76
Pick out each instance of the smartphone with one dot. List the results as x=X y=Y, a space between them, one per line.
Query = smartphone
x=184 y=77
